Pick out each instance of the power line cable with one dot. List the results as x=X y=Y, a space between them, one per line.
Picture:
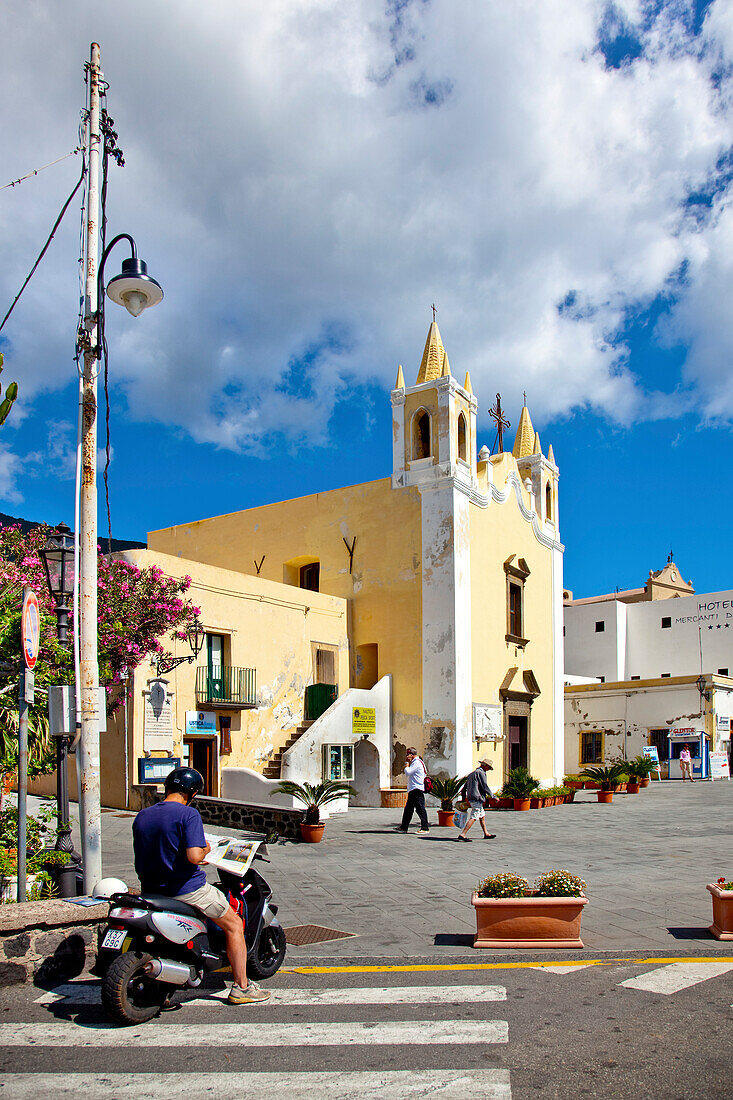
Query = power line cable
x=43 y=251
x=30 y=175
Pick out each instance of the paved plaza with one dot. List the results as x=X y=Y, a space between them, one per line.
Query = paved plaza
x=646 y=859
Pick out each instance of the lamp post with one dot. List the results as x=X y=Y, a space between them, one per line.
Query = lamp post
x=195 y=636
x=134 y=289
x=58 y=563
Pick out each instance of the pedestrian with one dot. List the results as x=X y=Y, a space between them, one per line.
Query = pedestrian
x=686 y=764
x=476 y=791
x=415 y=771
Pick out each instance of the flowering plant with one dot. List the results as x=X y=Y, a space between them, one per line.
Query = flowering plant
x=136 y=608
x=505 y=884
x=559 y=884
x=725 y=885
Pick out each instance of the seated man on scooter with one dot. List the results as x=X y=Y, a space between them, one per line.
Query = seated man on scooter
x=170 y=847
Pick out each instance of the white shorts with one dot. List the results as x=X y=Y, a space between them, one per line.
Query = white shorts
x=477 y=811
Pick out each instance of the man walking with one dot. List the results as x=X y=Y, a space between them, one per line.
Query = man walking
x=415 y=772
x=477 y=790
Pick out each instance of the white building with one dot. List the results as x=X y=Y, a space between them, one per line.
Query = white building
x=644 y=651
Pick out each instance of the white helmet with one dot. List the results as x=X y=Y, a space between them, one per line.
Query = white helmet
x=109 y=886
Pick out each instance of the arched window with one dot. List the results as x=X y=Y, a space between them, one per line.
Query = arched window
x=548 y=501
x=462 y=437
x=421 y=435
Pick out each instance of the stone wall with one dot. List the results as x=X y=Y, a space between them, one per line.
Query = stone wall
x=227 y=814
x=47 y=941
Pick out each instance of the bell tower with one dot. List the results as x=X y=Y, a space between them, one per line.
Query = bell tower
x=434 y=450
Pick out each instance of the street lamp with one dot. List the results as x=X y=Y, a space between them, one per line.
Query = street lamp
x=195 y=636
x=136 y=291
x=58 y=562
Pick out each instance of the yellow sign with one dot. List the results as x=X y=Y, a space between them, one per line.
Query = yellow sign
x=364 y=721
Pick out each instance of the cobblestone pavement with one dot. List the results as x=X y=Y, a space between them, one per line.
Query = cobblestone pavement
x=646 y=859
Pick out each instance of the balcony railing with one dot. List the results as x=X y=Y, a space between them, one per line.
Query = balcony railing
x=226 y=685
x=318 y=698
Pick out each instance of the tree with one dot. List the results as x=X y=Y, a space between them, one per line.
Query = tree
x=137 y=608
x=10 y=395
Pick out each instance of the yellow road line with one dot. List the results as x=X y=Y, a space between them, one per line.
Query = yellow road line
x=442 y=967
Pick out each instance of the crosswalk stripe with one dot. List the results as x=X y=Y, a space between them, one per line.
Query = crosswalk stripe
x=564 y=968
x=160 y=1034
x=677 y=976
x=445 y=1084
x=86 y=993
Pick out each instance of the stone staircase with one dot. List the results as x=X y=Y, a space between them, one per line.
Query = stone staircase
x=272 y=771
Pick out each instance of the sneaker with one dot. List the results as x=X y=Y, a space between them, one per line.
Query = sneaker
x=465 y=839
x=399 y=829
x=248 y=996
x=423 y=832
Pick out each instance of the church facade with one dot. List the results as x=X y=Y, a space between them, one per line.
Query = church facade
x=451 y=569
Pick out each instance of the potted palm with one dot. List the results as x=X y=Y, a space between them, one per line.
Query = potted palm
x=608 y=779
x=643 y=768
x=313 y=796
x=447 y=791
x=511 y=914
x=520 y=786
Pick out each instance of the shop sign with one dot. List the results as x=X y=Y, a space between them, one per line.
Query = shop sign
x=719 y=765
x=363 y=721
x=723 y=723
x=200 y=721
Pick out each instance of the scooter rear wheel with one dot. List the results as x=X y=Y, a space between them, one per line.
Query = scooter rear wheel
x=269 y=953
x=129 y=994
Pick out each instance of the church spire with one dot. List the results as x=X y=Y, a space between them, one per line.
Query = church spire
x=434 y=360
x=524 y=439
x=400 y=383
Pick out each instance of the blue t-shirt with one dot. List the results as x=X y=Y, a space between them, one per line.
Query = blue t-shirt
x=160 y=836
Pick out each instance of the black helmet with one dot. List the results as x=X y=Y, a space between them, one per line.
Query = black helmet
x=184 y=781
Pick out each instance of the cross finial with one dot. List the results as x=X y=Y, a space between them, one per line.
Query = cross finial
x=497 y=414
x=670 y=558
x=434 y=311
x=525 y=397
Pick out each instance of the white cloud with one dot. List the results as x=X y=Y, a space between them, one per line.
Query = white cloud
x=312 y=167
x=10 y=470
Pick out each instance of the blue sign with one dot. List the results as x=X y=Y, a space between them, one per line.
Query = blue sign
x=200 y=721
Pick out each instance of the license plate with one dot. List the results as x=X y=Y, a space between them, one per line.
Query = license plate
x=114 y=938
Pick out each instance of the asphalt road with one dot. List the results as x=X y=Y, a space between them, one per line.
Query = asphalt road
x=634 y=1027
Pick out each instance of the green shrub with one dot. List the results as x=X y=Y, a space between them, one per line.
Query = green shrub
x=559 y=884
x=505 y=884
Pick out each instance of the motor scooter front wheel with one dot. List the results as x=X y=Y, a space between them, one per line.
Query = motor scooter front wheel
x=129 y=994
x=268 y=954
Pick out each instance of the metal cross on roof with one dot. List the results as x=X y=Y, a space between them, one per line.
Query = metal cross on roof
x=497 y=414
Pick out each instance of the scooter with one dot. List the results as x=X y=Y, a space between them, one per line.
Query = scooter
x=154 y=945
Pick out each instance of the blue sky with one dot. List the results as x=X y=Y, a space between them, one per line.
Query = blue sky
x=554 y=175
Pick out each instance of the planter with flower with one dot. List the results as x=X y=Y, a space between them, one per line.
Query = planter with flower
x=447 y=790
x=511 y=914
x=639 y=771
x=37 y=883
x=722 y=893
x=575 y=782
x=607 y=778
x=313 y=796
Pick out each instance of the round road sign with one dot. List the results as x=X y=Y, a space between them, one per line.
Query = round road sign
x=30 y=628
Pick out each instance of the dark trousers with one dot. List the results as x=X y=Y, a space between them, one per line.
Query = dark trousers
x=415 y=801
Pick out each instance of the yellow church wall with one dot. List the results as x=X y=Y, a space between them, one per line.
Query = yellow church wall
x=383 y=591
x=497 y=533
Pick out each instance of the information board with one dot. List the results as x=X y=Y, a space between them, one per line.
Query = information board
x=719 y=765
x=649 y=752
x=364 y=721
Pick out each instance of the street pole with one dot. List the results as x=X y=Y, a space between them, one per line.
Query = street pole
x=88 y=757
x=22 y=783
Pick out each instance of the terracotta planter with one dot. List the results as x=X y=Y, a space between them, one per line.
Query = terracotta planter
x=536 y=803
x=521 y=803
x=632 y=787
x=621 y=787
x=605 y=796
x=570 y=797
x=445 y=818
x=576 y=784
x=393 y=798
x=502 y=803
x=644 y=782
x=548 y=800
x=528 y=922
x=591 y=785
x=311 y=834
x=722 y=926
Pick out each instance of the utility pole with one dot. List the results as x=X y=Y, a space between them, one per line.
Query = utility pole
x=88 y=752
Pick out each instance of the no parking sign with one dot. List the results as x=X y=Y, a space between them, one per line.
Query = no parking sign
x=30 y=628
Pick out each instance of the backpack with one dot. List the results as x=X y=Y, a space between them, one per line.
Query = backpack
x=427 y=781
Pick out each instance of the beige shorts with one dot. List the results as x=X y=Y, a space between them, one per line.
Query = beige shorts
x=208 y=899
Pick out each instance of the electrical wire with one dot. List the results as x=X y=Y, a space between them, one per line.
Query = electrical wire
x=30 y=175
x=43 y=251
